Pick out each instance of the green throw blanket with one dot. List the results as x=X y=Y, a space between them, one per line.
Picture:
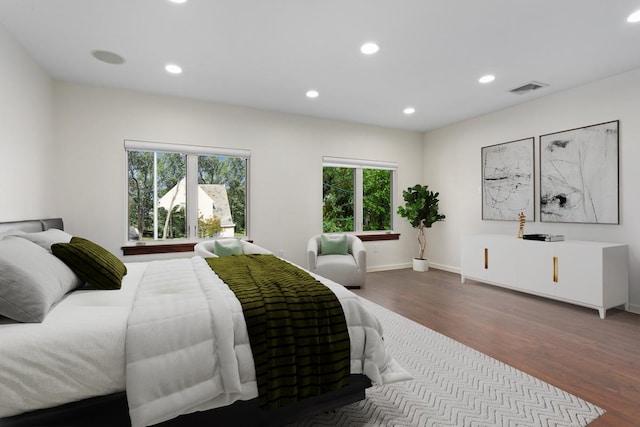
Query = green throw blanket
x=296 y=326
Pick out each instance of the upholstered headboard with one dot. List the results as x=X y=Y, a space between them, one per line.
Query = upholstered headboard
x=32 y=225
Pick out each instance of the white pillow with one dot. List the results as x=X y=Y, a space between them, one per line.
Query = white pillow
x=31 y=280
x=47 y=238
x=4 y=234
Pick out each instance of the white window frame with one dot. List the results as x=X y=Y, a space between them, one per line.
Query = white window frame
x=191 y=152
x=358 y=165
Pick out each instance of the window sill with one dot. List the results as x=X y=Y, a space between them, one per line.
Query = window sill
x=158 y=248
x=373 y=237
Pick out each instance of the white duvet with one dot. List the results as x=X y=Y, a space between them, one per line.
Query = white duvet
x=187 y=347
x=75 y=353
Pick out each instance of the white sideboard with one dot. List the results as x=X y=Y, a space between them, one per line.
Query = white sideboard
x=590 y=274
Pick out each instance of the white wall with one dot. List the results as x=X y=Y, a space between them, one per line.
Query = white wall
x=61 y=154
x=26 y=135
x=91 y=124
x=452 y=167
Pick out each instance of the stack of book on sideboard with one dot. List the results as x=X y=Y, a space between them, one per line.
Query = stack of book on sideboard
x=544 y=237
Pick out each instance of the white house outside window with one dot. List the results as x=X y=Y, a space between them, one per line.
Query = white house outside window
x=357 y=195
x=181 y=192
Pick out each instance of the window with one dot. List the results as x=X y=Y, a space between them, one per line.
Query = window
x=357 y=195
x=181 y=192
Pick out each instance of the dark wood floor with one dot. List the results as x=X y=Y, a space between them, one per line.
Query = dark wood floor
x=567 y=346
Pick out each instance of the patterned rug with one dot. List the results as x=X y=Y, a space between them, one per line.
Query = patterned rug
x=454 y=385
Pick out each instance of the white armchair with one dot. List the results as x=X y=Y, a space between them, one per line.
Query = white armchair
x=206 y=248
x=348 y=270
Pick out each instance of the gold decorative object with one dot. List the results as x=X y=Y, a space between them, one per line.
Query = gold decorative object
x=522 y=218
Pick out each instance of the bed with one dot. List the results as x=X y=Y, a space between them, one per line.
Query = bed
x=82 y=365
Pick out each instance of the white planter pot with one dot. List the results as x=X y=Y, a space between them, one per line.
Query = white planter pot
x=420 y=264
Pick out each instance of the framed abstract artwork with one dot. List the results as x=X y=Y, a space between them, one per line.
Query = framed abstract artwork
x=579 y=175
x=508 y=180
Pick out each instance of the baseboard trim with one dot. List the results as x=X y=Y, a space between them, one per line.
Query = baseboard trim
x=444 y=267
x=634 y=308
x=410 y=265
x=389 y=267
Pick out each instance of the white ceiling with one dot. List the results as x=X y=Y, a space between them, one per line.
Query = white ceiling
x=267 y=53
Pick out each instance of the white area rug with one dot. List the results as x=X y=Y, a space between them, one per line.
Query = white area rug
x=455 y=385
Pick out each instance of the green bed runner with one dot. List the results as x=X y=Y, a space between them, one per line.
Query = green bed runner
x=296 y=326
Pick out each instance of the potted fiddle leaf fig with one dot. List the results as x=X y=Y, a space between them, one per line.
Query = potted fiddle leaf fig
x=421 y=209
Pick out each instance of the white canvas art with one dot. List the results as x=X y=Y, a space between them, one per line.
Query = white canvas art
x=579 y=175
x=507 y=180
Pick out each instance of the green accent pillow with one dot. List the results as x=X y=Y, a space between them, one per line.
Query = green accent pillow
x=226 y=247
x=334 y=244
x=91 y=262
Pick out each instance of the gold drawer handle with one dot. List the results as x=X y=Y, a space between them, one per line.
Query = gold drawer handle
x=486 y=258
x=555 y=269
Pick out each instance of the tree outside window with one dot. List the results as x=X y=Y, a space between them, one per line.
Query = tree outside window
x=338 y=199
x=166 y=202
x=357 y=199
x=376 y=199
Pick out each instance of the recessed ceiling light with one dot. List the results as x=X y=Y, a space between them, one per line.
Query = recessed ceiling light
x=487 y=79
x=178 y=1
x=634 y=17
x=313 y=93
x=108 y=57
x=173 y=68
x=409 y=110
x=369 y=48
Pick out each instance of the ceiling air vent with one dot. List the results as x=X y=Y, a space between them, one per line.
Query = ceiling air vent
x=528 y=87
